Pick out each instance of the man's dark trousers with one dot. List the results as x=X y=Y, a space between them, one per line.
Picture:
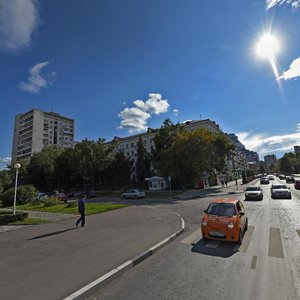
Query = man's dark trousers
x=81 y=219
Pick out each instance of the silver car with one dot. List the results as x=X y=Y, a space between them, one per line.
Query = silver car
x=253 y=193
x=280 y=191
x=133 y=193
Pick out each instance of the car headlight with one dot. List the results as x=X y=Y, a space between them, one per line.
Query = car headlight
x=230 y=225
x=204 y=222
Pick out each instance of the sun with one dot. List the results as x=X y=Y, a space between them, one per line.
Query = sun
x=267 y=46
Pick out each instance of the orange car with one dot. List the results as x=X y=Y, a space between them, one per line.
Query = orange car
x=224 y=220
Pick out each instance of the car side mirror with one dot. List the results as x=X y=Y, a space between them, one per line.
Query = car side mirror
x=242 y=213
x=205 y=210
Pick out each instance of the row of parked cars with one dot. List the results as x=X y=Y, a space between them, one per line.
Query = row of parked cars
x=40 y=196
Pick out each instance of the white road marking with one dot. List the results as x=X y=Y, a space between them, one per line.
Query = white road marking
x=193 y=237
x=212 y=244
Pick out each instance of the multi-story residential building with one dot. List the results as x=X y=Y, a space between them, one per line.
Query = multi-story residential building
x=297 y=149
x=270 y=161
x=128 y=145
x=245 y=159
x=36 y=129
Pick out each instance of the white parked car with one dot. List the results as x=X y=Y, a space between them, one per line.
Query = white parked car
x=280 y=191
x=133 y=193
x=41 y=196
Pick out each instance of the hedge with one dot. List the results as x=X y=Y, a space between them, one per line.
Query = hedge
x=8 y=217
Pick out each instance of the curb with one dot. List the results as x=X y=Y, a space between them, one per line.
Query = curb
x=118 y=271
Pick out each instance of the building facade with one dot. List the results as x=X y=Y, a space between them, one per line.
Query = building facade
x=297 y=149
x=128 y=145
x=270 y=162
x=36 y=130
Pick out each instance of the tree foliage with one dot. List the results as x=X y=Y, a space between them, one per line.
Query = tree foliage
x=185 y=155
x=143 y=162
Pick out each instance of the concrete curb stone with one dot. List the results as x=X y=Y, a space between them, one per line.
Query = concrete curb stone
x=118 y=271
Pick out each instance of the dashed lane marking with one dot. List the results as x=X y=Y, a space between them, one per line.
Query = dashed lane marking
x=253 y=262
x=275 y=243
x=193 y=237
x=212 y=244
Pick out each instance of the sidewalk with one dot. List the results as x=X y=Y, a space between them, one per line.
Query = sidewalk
x=53 y=260
x=217 y=190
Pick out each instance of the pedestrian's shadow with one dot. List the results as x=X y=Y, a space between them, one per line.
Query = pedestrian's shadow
x=50 y=234
x=213 y=248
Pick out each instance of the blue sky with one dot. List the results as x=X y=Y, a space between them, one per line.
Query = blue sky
x=118 y=67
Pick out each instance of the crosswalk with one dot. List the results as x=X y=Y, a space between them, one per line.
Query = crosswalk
x=275 y=247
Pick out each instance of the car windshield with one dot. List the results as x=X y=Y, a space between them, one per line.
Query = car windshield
x=281 y=186
x=253 y=188
x=221 y=209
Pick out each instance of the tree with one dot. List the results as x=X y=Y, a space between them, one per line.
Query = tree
x=286 y=163
x=92 y=158
x=5 y=180
x=191 y=153
x=117 y=174
x=143 y=162
x=41 y=169
x=163 y=141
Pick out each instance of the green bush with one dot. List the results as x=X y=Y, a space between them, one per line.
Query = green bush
x=7 y=198
x=8 y=217
x=51 y=201
x=26 y=194
x=72 y=204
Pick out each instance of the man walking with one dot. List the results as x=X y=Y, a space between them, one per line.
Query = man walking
x=81 y=210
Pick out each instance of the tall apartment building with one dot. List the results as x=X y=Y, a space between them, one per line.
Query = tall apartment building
x=128 y=145
x=36 y=129
x=297 y=149
x=270 y=160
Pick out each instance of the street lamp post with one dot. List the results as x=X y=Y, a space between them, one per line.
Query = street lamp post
x=17 y=166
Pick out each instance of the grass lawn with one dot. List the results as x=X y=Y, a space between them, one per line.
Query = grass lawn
x=90 y=208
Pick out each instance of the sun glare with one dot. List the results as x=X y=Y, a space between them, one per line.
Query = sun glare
x=267 y=46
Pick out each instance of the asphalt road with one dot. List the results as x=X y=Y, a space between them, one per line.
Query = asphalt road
x=51 y=261
x=266 y=266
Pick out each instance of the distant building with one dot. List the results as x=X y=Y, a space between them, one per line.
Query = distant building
x=36 y=129
x=244 y=158
x=128 y=145
x=297 y=149
x=270 y=161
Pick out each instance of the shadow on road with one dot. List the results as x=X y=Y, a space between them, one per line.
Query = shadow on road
x=50 y=234
x=216 y=248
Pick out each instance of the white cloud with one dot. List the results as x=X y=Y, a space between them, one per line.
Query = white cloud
x=18 y=20
x=154 y=105
x=263 y=144
x=272 y=3
x=176 y=112
x=36 y=79
x=293 y=71
x=135 y=118
x=5 y=160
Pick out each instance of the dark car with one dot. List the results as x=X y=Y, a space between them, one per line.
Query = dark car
x=61 y=196
x=264 y=180
x=253 y=193
x=297 y=184
x=280 y=191
x=289 y=179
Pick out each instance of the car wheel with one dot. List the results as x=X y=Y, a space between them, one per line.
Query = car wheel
x=246 y=226
x=135 y=196
x=240 y=236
